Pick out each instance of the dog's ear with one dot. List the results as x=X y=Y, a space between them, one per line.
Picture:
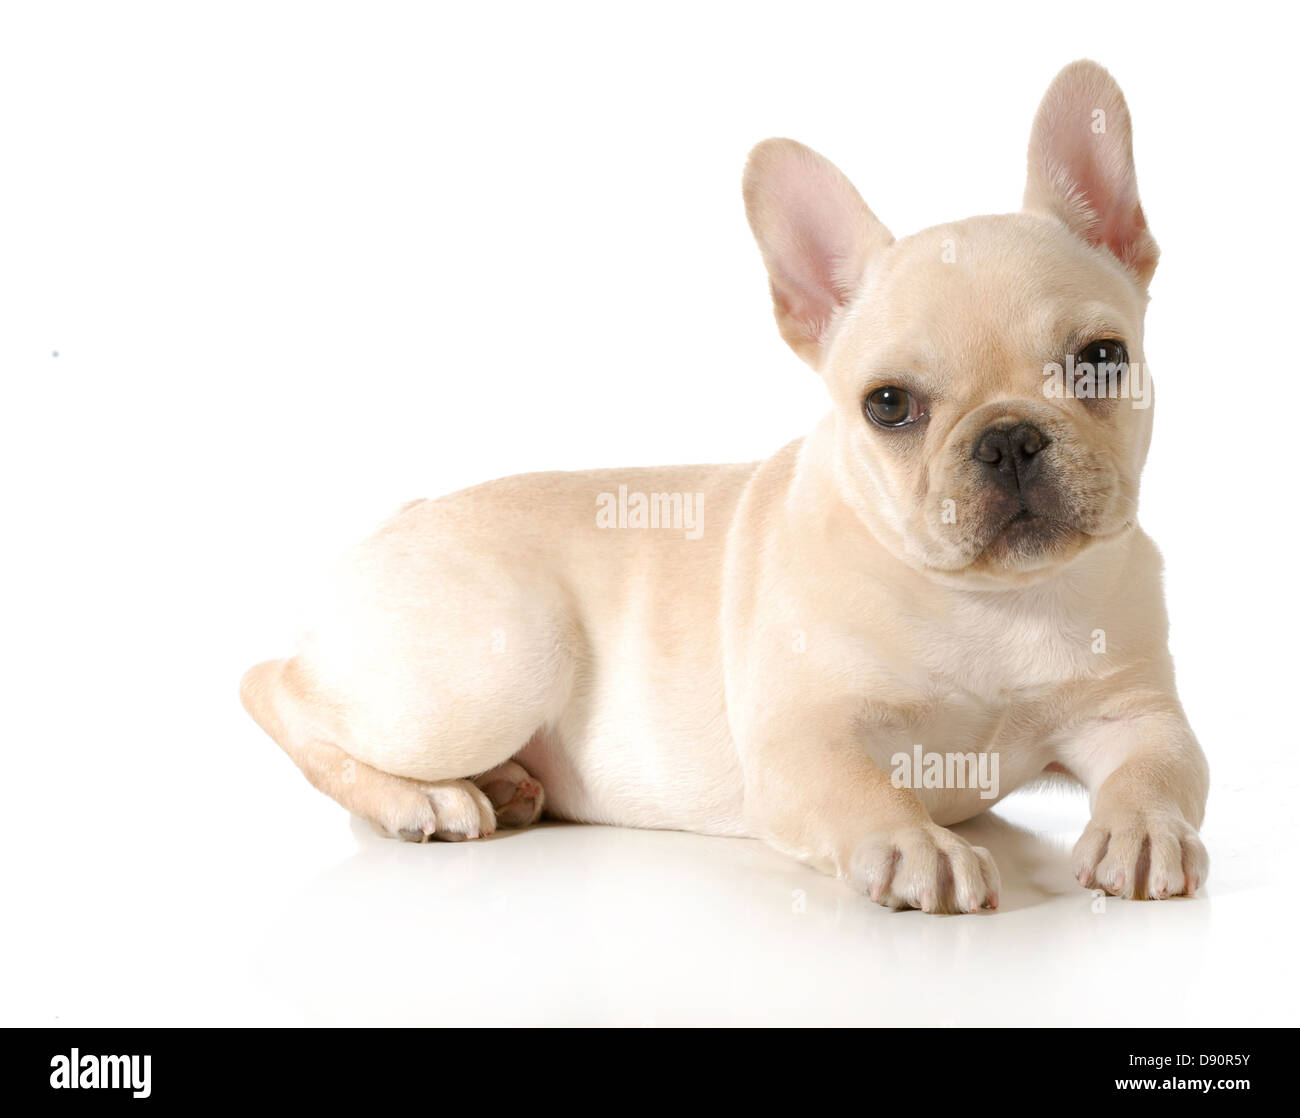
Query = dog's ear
x=1081 y=166
x=815 y=233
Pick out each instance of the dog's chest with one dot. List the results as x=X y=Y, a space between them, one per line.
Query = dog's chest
x=978 y=705
x=961 y=752
x=1010 y=650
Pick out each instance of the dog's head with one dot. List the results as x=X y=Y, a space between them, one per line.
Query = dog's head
x=991 y=395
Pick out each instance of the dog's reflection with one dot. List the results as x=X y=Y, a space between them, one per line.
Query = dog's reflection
x=568 y=924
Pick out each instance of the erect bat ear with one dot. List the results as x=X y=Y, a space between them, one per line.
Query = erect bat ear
x=816 y=235
x=1081 y=166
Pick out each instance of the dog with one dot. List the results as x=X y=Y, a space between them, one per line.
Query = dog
x=949 y=565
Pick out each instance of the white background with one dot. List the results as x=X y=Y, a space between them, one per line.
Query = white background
x=268 y=270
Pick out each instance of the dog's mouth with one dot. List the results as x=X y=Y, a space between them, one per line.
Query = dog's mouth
x=1028 y=538
x=1026 y=522
x=1020 y=543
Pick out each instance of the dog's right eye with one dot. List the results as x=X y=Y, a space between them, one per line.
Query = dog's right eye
x=891 y=406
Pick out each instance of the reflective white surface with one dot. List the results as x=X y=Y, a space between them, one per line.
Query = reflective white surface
x=314 y=921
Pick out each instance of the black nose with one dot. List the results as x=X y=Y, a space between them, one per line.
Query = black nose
x=1010 y=454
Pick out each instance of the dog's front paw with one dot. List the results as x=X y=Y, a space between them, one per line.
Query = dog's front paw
x=929 y=868
x=1141 y=855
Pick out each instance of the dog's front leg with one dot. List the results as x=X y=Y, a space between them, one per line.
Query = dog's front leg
x=816 y=794
x=1148 y=781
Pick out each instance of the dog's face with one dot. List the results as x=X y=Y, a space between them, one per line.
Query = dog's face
x=948 y=441
x=992 y=399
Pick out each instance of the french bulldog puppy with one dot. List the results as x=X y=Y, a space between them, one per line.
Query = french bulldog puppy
x=949 y=564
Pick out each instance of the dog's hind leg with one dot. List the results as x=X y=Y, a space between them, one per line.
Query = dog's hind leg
x=279 y=700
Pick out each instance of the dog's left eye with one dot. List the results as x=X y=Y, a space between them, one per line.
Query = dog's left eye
x=891 y=406
x=1107 y=360
x=1104 y=351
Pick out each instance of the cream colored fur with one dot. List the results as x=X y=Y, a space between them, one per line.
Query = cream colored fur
x=759 y=679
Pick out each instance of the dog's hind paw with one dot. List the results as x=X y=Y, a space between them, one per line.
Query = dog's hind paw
x=449 y=810
x=517 y=798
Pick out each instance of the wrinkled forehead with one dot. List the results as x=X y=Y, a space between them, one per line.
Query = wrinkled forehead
x=993 y=294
